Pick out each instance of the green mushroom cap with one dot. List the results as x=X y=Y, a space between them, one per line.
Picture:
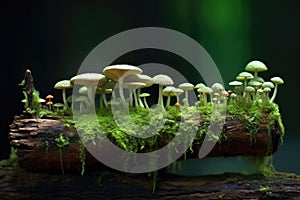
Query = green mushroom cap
x=256 y=66
x=277 y=80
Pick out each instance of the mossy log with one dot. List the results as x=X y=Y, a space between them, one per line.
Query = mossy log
x=37 y=149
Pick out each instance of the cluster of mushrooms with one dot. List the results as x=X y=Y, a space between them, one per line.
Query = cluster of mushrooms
x=248 y=87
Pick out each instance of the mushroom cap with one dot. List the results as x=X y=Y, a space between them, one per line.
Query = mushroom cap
x=168 y=91
x=83 y=90
x=64 y=84
x=261 y=90
x=235 y=83
x=81 y=98
x=249 y=89
x=144 y=95
x=139 y=78
x=134 y=85
x=267 y=84
x=115 y=72
x=49 y=103
x=186 y=86
x=244 y=75
x=58 y=105
x=267 y=89
x=49 y=96
x=254 y=83
x=259 y=79
x=277 y=80
x=177 y=91
x=200 y=85
x=256 y=66
x=100 y=90
x=206 y=90
x=217 y=87
x=89 y=79
x=162 y=79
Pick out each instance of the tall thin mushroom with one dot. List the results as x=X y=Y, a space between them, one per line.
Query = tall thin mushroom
x=161 y=80
x=186 y=87
x=63 y=85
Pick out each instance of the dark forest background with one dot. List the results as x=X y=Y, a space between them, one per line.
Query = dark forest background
x=53 y=37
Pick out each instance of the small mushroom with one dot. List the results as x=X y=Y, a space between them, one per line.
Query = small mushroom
x=178 y=92
x=90 y=80
x=277 y=81
x=244 y=76
x=186 y=87
x=161 y=80
x=249 y=91
x=132 y=86
x=168 y=92
x=83 y=102
x=63 y=85
x=144 y=95
x=57 y=106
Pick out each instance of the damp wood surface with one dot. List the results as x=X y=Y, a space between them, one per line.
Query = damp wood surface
x=37 y=150
x=17 y=184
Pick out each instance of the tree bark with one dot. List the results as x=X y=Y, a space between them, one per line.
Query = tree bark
x=37 y=150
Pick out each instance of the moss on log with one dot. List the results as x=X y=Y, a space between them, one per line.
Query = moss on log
x=37 y=149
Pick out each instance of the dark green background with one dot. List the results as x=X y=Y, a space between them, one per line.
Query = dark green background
x=52 y=38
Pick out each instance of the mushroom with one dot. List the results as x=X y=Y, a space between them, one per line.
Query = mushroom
x=90 y=80
x=203 y=91
x=82 y=90
x=63 y=85
x=233 y=98
x=83 y=101
x=161 y=80
x=118 y=72
x=132 y=86
x=101 y=91
x=58 y=106
x=277 y=81
x=144 y=95
x=244 y=76
x=186 y=87
x=266 y=92
x=49 y=97
x=249 y=90
x=256 y=66
x=177 y=92
x=49 y=104
x=168 y=91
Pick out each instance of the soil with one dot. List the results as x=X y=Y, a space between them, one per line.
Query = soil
x=16 y=183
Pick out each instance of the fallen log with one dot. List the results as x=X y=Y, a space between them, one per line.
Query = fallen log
x=37 y=149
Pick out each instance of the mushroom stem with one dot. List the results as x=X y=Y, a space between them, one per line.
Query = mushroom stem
x=274 y=93
x=186 y=98
x=160 y=97
x=135 y=99
x=139 y=98
x=91 y=95
x=64 y=98
x=104 y=100
x=145 y=102
x=168 y=101
x=121 y=90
